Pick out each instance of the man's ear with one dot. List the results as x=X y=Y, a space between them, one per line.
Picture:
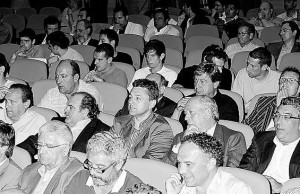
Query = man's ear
x=76 y=77
x=2 y=69
x=162 y=56
x=33 y=41
x=152 y=104
x=211 y=163
x=264 y=67
x=126 y=17
x=113 y=43
x=110 y=59
x=251 y=36
x=27 y=104
x=84 y=112
x=216 y=84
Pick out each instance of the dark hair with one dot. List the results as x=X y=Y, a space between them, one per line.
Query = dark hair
x=143 y=188
x=27 y=32
x=291 y=69
x=263 y=54
x=293 y=101
x=7 y=137
x=88 y=102
x=164 y=12
x=236 y=4
x=250 y=27
x=78 y=2
x=4 y=63
x=194 y=5
x=59 y=39
x=121 y=8
x=151 y=87
x=270 y=4
x=111 y=35
x=207 y=144
x=26 y=92
x=293 y=26
x=156 y=45
x=210 y=69
x=163 y=81
x=106 y=48
x=213 y=51
x=88 y=14
x=75 y=68
x=87 y=25
x=51 y=20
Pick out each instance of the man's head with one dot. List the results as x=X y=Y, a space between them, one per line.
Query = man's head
x=290 y=81
x=290 y=5
x=266 y=9
x=199 y=157
x=246 y=33
x=219 y=6
x=191 y=7
x=155 y=53
x=7 y=139
x=287 y=120
x=74 y=4
x=84 y=30
x=289 y=31
x=215 y=54
x=18 y=100
x=258 y=62
x=121 y=16
x=109 y=36
x=103 y=56
x=160 y=80
x=207 y=78
x=232 y=8
x=55 y=141
x=67 y=76
x=81 y=106
x=106 y=155
x=27 y=38
x=57 y=40
x=161 y=18
x=84 y=14
x=142 y=188
x=51 y=24
x=143 y=97
x=4 y=66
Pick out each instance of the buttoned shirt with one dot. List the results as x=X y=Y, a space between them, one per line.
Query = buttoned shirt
x=232 y=49
x=284 y=50
x=152 y=31
x=80 y=125
x=85 y=43
x=71 y=54
x=286 y=18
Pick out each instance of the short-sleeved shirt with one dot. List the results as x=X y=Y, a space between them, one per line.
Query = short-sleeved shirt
x=115 y=76
x=232 y=49
x=70 y=54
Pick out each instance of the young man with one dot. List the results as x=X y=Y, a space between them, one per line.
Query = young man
x=51 y=24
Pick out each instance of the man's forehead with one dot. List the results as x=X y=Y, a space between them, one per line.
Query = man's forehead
x=64 y=67
x=288 y=109
x=119 y=14
x=14 y=93
x=188 y=151
x=151 y=52
x=265 y=5
x=289 y=74
x=76 y=99
x=48 y=137
x=139 y=91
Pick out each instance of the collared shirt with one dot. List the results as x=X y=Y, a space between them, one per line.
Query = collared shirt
x=171 y=21
x=211 y=131
x=80 y=125
x=54 y=100
x=117 y=186
x=85 y=43
x=284 y=50
x=71 y=54
x=232 y=49
x=152 y=31
x=279 y=165
x=286 y=18
x=1 y=163
x=45 y=40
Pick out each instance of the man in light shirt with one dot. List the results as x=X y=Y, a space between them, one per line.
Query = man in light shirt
x=275 y=154
x=290 y=11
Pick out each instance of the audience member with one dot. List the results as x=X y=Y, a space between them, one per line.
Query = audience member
x=147 y=134
x=294 y=190
x=289 y=33
x=275 y=153
x=84 y=14
x=257 y=78
x=4 y=82
x=122 y=25
x=218 y=11
x=290 y=11
x=51 y=24
x=160 y=5
x=84 y=30
x=106 y=155
x=161 y=26
x=142 y=188
x=54 y=169
x=67 y=77
x=202 y=116
x=155 y=53
x=27 y=48
x=261 y=117
x=69 y=16
x=200 y=156
x=246 y=33
x=4 y=32
x=105 y=70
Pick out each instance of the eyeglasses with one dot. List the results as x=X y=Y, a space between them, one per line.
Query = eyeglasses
x=243 y=33
x=88 y=165
x=285 y=30
x=288 y=80
x=287 y=116
x=39 y=146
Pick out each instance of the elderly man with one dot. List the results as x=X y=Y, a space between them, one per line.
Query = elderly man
x=54 y=169
x=200 y=155
x=290 y=11
x=257 y=78
x=106 y=155
x=51 y=24
x=275 y=154
x=105 y=70
x=84 y=30
x=289 y=33
x=147 y=134
x=67 y=77
x=245 y=36
x=202 y=116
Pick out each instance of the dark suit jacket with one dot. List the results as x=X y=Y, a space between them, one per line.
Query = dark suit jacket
x=275 y=48
x=259 y=155
x=92 y=42
x=39 y=38
x=233 y=146
x=198 y=19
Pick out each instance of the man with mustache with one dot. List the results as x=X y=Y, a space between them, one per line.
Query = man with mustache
x=84 y=30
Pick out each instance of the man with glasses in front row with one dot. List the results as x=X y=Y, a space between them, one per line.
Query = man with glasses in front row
x=276 y=154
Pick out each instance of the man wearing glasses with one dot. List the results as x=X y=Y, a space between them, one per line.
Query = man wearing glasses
x=275 y=154
x=106 y=155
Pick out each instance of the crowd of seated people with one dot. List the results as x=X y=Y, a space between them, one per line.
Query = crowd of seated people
x=143 y=128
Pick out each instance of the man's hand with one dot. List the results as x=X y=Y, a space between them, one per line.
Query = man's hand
x=117 y=27
x=181 y=19
x=190 y=130
x=174 y=184
x=282 y=93
x=276 y=186
x=52 y=60
x=181 y=104
x=92 y=77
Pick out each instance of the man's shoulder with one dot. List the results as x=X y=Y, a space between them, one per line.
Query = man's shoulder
x=86 y=87
x=226 y=130
x=98 y=125
x=242 y=74
x=35 y=115
x=160 y=119
x=136 y=25
x=168 y=71
x=274 y=76
x=265 y=136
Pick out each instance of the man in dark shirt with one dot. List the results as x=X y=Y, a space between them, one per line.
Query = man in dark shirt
x=51 y=24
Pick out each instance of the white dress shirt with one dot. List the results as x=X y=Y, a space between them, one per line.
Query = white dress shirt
x=80 y=125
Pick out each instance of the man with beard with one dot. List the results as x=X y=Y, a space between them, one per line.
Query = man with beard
x=84 y=30
x=290 y=10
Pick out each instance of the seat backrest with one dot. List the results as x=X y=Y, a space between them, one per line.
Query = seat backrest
x=40 y=88
x=257 y=182
x=238 y=100
x=26 y=11
x=128 y=69
x=175 y=126
x=50 y=11
x=252 y=13
x=106 y=118
x=6 y=11
x=86 y=51
x=134 y=54
x=173 y=94
x=244 y=129
x=83 y=67
x=148 y=170
x=289 y=60
x=47 y=113
x=270 y=34
x=194 y=58
x=17 y=21
x=36 y=22
x=132 y=41
x=29 y=70
x=79 y=155
x=19 y=81
x=139 y=19
x=201 y=42
x=8 y=50
x=11 y=31
x=21 y=157
x=255 y=41
x=172 y=42
x=97 y=27
x=113 y=96
x=202 y=30
x=179 y=29
x=46 y=50
x=254 y=101
x=292 y=183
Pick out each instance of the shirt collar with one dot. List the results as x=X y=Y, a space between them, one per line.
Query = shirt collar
x=42 y=170
x=1 y=163
x=81 y=124
x=211 y=131
x=278 y=143
x=145 y=122
x=86 y=42
x=161 y=30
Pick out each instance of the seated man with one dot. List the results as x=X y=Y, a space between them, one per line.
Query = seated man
x=147 y=134
x=155 y=53
x=84 y=30
x=161 y=26
x=51 y=24
x=257 y=78
x=164 y=106
x=275 y=154
x=291 y=12
x=59 y=47
x=261 y=117
x=207 y=80
x=218 y=9
x=9 y=170
x=289 y=33
x=105 y=70
x=4 y=32
x=245 y=36
x=27 y=48
x=202 y=116
x=54 y=169
x=122 y=25
x=67 y=77
x=200 y=155
x=106 y=153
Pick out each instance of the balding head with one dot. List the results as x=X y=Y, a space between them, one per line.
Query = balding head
x=160 y=81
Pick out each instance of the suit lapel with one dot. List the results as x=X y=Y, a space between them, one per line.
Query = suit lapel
x=266 y=157
x=294 y=170
x=145 y=129
x=34 y=180
x=219 y=135
x=82 y=134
